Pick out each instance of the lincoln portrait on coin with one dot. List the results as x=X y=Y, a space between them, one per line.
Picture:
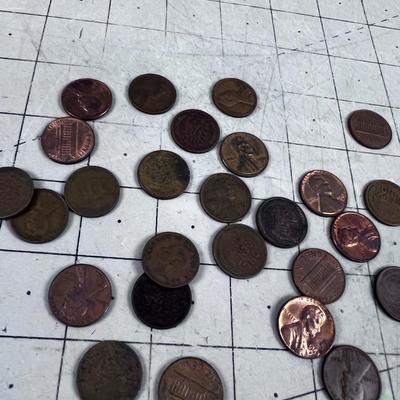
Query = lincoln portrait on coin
x=324 y=198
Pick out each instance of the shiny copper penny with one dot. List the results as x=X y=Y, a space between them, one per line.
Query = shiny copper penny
x=16 y=191
x=79 y=295
x=356 y=237
x=323 y=193
x=195 y=131
x=190 y=378
x=67 y=140
x=234 y=97
x=225 y=197
x=306 y=327
x=369 y=129
x=86 y=99
x=44 y=219
x=387 y=290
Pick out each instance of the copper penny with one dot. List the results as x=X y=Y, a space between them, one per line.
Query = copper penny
x=239 y=251
x=356 y=237
x=44 y=219
x=16 y=191
x=369 y=129
x=190 y=378
x=323 y=193
x=225 y=197
x=86 y=99
x=387 y=290
x=306 y=327
x=163 y=174
x=244 y=154
x=234 y=97
x=195 y=131
x=109 y=371
x=79 y=295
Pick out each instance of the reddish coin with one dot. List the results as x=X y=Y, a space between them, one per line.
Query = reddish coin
x=387 y=290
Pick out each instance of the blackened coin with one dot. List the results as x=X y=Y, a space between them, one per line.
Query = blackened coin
x=387 y=290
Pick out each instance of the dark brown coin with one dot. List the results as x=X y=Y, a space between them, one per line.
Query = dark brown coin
x=79 y=295
x=92 y=191
x=16 y=191
x=225 y=197
x=323 y=193
x=195 y=131
x=387 y=290
x=350 y=374
x=163 y=174
x=109 y=371
x=306 y=327
x=239 y=251
x=86 y=99
x=234 y=97
x=44 y=219
x=281 y=222
x=356 y=237
x=67 y=140
x=370 y=129
x=190 y=378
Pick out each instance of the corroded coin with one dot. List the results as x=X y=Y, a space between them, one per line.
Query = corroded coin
x=306 y=327
x=387 y=290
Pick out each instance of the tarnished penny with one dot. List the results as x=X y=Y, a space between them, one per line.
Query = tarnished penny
x=387 y=290
x=239 y=251
x=317 y=274
x=350 y=374
x=109 y=371
x=67 y=140
x=79 y=295
x=163 y=174
x=281 y=222
x=195 y=131
x=306 y=327
x=356 y=237
x=86 y=99
x=244 y=154
x=16 y=191
x=225 y=197
x=170 y=259
x=44 y=219
x=190 y=378
x=160 y=307
x=234 y=97
x=92 y=191
x=323 y=193
x=152 y=94
x=369 y=129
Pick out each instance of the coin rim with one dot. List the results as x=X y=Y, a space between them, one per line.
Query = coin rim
x=378 y=278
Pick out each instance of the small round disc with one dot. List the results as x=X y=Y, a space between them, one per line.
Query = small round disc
x=225 y=197
x=92 y=191
x=387 y=290
x=163 y=174
x=109 y=371
x=234 y=97
x=67 y=140
x=306 y=327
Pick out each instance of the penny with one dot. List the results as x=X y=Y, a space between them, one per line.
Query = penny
x=86 y=99
x=350 y=374
x=109 y=371
x=16 y=191
x=234 y=97
x=281 y=222
x=195 y=131
x=163 y=174
x=152 y=94
x=323 y=193
x=44 y=219
x=356 y=237
x=239 y=251
x=244 y=154
x=190 y=378
x=369 y=129
x=160 y=307
x=92 y=191
x=387 y=290
x=306 y=327
x=225 y=197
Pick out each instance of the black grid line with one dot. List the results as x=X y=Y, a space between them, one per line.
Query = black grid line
x=107 y=24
